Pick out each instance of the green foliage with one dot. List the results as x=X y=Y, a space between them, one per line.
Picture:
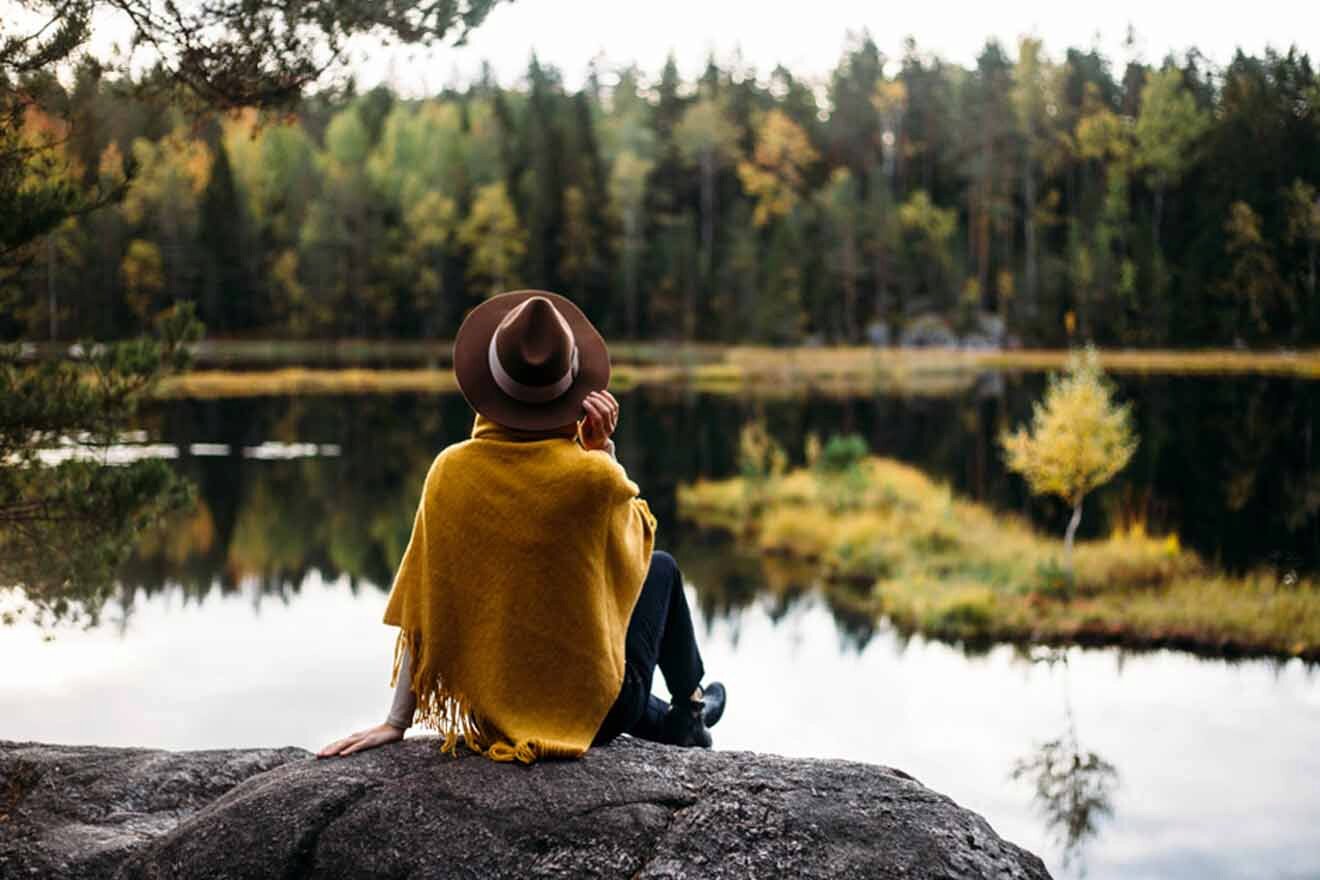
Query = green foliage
x=928 y=231
x=705 y=134
x=840 y=480
x=842 y=454
x=69 y=524
x=1169 y=124
x=1028 y=194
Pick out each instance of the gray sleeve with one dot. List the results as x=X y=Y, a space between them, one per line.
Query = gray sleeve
x=405 y=704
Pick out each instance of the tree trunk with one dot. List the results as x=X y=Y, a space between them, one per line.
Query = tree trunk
x=1310 y=278
x=1159 y=211
x=707 y=213
x=850 y=285
x=879 y=271
x=693 y=319
x=630 y=268
x=50 y=282
x=1070 y=534
x=1029 y=236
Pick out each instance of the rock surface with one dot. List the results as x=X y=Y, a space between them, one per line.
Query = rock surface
x=630 y=810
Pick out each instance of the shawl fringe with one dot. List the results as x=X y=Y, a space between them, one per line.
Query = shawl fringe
x=448 y=713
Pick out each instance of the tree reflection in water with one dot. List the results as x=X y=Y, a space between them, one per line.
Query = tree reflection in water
x=269 y=524
x=1074 y=788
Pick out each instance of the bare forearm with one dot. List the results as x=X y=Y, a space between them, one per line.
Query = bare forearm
x=405 y=702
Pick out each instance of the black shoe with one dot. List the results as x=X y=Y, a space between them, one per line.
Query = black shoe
x=713 y=696
x=684 y=724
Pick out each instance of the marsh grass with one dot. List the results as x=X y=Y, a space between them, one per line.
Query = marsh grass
x=304 y=380
x=746 y=361
x=954 y=569
x=383 y=367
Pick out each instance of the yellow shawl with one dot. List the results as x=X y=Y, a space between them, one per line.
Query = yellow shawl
x=526 y=557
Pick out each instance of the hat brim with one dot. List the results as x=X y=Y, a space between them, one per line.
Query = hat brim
x=472 y=365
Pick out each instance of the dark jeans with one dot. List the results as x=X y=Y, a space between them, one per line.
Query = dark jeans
x=659 y=634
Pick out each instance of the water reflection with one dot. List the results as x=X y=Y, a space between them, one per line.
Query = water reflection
x=1231 y=465
x=316 y=661
x=1073 y=788
x=732 y=580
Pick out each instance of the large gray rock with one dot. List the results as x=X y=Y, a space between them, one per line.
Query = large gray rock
x=630 y=810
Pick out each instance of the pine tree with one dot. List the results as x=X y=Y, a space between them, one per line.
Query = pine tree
x=226 y=303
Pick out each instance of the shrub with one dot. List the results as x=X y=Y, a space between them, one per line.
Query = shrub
x=841 y=482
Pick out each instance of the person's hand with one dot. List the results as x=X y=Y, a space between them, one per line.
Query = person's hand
x=363 y=739
x=602 y=415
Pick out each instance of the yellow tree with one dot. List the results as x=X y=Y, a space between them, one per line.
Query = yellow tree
x=775 y=176
x=1078 y=440
x=142 y=272
x=162 y=208
x=494 y=240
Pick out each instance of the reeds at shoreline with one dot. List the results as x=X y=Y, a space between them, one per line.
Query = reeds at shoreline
x=759 y=371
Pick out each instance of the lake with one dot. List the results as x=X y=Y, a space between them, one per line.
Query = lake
x=256 y=621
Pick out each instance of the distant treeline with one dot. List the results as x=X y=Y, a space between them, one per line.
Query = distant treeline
x=1037 y=198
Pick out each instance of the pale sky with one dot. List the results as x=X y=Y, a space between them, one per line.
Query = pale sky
x=809 y=38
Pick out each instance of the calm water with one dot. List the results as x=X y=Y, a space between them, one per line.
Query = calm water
x=256 y=621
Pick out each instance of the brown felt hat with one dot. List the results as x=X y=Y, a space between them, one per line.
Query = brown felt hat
x=527 y=358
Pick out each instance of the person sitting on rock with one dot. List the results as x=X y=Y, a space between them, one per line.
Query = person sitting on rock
x=532 y=607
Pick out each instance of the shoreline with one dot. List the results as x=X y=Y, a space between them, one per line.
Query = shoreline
x=738 y=369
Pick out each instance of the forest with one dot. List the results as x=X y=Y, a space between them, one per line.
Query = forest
x=1034 y=199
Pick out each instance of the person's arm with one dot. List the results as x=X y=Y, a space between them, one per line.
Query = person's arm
x=601 y=418
x=398 y=720
x=405 y=701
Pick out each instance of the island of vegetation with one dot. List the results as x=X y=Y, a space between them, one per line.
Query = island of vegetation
x=897 y=543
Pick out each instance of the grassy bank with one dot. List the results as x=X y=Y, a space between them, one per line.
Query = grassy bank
x=764 y=372
x=953 y=569
x=206 y=383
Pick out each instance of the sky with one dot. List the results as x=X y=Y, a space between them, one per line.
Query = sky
x=809 y=39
